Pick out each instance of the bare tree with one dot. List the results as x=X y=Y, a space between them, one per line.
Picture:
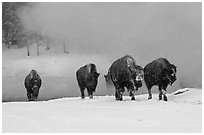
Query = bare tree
x=48 y=43
x=12 y=33
x=38 y=43
x=28 y=47
x=64 y=46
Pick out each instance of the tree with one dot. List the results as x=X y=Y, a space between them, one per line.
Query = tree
x=48 y=44
x=37 y=39
x=11 y=26
x=64 y=46
x=28 y=47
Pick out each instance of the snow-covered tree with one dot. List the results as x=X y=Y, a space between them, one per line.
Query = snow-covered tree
x=12 y=29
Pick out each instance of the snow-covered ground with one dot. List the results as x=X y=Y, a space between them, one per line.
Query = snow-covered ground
x=182 y=113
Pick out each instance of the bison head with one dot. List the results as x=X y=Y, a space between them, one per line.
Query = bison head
x=96 y=75
x=171 y=74
x=139 y=73
x=34 y=81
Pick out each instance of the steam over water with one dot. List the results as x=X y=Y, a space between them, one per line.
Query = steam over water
x=144 y=30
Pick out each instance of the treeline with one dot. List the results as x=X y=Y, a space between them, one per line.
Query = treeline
x=13 y=32
x=12 y=28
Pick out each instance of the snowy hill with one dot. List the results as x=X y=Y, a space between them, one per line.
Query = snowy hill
x=182 y=113
x=189 y=95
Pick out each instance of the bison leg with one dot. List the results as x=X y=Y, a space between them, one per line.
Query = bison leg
x=90 y=93
x=133 y=91
x=91 y=96
x=160 y=93
x=131 y=88
x=118 y=90
x=29 y=95
x=164 y=95
x=116 y=95
x=149 y=92
x=132 y=94
x=35 y=96
x=119 y=94
x=82 y=92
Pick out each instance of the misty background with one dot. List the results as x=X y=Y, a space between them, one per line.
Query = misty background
x=103 y=32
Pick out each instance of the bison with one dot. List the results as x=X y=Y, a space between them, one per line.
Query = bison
x=125 y=73
x=32 y=83
x=87 y=77
x=161 y=73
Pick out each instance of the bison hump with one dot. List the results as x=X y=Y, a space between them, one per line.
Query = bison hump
x=157 y=66
x=130 y=61
x=91 y=68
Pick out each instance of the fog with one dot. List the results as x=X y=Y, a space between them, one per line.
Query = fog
x=144 y=30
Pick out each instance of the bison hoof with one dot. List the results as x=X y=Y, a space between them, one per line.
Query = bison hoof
x=160 y=97
x=133 y=98
x=149 y=97
x=117 y=98
x=165 y=98
x=120 y=99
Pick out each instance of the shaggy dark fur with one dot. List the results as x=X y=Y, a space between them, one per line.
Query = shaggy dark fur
x=32 y=83
x=125 y=73
x=87 y=77
x=161 y=73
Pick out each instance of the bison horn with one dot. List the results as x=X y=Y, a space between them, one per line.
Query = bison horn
x=97 y=75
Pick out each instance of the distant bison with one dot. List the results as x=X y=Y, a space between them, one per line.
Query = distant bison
x=32 y=83
x=125 y=73
x=161 y=73
x=87 y=77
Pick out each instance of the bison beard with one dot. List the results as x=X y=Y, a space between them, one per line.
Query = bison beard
x=87 y=77
x=32 y=83
x=161 y=73
x=125 y=73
